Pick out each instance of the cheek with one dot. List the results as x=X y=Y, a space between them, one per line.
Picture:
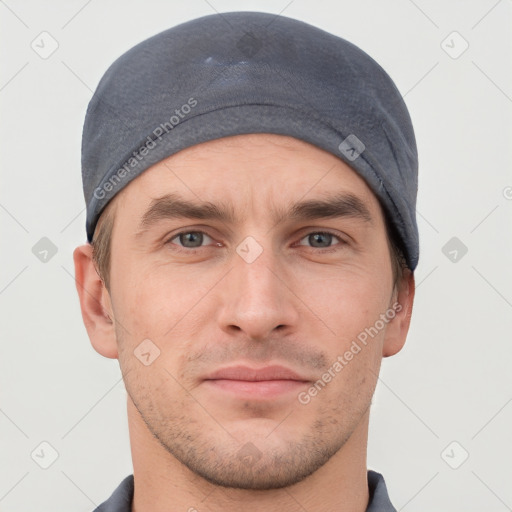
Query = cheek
x=159 y=302
x=349 y=300
x=351 y=305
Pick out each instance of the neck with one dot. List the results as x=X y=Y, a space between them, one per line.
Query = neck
x=162 y=483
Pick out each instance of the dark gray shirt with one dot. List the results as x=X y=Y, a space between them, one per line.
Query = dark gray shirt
x=121 y=499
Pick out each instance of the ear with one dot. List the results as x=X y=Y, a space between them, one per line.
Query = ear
x=95 y=303
x=398 y=327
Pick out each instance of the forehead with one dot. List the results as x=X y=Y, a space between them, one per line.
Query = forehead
x=255 y=170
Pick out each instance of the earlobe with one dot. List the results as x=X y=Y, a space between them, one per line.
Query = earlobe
x=398 y=327
x=95 y=303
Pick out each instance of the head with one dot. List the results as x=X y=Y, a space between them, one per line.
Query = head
x=317 y=288
x=250 y=203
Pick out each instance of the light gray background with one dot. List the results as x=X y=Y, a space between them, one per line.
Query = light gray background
x=452 y=381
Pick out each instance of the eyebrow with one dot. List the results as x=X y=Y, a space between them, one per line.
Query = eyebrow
x=173 y=206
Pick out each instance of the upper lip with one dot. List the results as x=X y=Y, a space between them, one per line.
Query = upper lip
x=274 y=372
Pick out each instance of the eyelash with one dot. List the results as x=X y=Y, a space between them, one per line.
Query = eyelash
x=189 y=250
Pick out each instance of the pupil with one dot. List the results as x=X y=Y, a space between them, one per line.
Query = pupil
x=317 y=239
x=192 y=239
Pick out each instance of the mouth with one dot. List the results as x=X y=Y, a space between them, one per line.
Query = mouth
x=262 y=383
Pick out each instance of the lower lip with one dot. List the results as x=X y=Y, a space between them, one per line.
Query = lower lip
x=257 y=389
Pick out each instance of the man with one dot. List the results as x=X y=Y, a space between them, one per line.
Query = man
x=250 y=183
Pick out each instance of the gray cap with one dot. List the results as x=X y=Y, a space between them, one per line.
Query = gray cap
x=250 y=72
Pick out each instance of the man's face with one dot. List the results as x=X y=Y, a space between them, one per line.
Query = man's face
x=259 y=289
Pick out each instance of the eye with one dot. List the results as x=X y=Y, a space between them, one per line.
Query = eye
x=190 y=239
x=196 y=239
x=321 y=239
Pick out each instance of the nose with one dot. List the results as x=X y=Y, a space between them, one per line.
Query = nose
x=258 y=298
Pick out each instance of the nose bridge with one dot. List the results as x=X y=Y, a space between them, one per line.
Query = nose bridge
x=258 y=277
x=256 y=299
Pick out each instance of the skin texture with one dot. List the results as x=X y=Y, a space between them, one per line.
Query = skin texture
x=297 y=304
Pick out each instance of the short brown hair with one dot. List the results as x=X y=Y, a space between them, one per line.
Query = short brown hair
x=101 y=247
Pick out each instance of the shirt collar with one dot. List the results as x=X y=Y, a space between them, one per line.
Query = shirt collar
x=121 y=499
